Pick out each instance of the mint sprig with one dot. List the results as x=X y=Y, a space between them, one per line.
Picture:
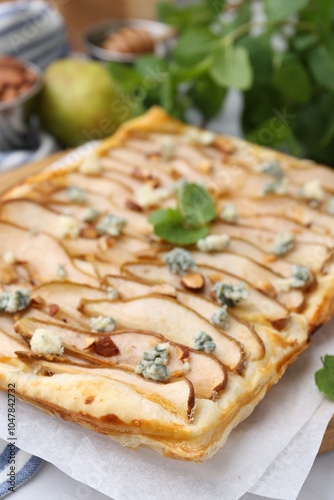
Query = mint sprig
x=188 y=223
x=324 y=377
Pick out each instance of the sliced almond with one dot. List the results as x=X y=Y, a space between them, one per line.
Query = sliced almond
x=193 y=282
x=89 y=231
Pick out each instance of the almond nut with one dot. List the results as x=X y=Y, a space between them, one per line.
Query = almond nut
x=193 y=282
x=104 y=346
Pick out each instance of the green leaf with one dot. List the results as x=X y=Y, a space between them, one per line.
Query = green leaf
x=292 y=81
x=232 y=68
x=194 y=45
x=202 y=13
x=322 y=66
x=127 y=77
x=207 y=96
x=260 y=54
x=280 y=9
x=304 y=41
x=324 y=377
x=178 y=234
x=195 y=205
x=165 y=215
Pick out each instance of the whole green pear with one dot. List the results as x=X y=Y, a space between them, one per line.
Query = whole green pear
x=80 y=101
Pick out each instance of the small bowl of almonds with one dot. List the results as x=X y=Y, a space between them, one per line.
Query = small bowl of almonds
x=19 y=84
x=125 y=40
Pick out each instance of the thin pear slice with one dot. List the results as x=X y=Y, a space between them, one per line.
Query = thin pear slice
x=251 y=272
x=302 y=175
x=102 y=186
x=254 y=308
x=245 y=334
x=98 y=402
x=43 y=254
x=177 y=396
x=66 y=296
x=9 y=345
x=174 y=321
x=276 y=224
x=287 y=207
x=206 y=373
x=311 y=255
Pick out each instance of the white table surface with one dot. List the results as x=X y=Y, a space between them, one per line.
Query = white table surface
x=52 y=484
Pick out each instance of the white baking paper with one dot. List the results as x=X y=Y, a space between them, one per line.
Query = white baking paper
x=249 y=452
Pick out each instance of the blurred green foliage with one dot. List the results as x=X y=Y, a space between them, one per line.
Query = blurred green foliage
x=283 y=64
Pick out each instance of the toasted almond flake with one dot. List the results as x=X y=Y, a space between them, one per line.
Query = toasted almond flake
x=194 y=282
x=266 y=287
x=132 y=205
x=270 y=258
x=205 y=167
x=89 y=232
x=214 y=277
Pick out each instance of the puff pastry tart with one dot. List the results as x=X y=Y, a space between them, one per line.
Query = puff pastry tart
x=105 y=324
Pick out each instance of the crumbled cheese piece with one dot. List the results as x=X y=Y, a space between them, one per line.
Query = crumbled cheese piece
x=76 y=194
x=167 y=148
x=112 y=293
x=153 y=364
x=213 y=243
x=46 y=342
x=200 y=137
x=284 y=243
x=91 y=165
x=11 y=302
x=148 y=196
x=179 y=261
x=330 y=206
x=90 y=215
x=300 y=276
x=229 y=213
x=102 y=324
x=279 y=186
x=312 y=190
x=9 y=258
x=230 y=295
x=203 y=342
x=186 y=367
x=220 y=317
x=68 y=227
x=272 y=168
x=111 y=225
x=61 y=272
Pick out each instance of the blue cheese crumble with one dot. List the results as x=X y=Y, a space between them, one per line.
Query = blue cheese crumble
x=91 y=214
x=279 y=186
x=230 y=295
x=330 y=206
x=46 y=342
x=167 y=148
x=153 y=364
x=68 y=227
x=102 y=324
x=220 y=318
x=91 y=165
x=76 y=194
x=229 y=213
x=214 y=243
x=312 y=191
x=203 y=342
x=300 y=277
x=179 y=261
x=12 y=302
x=272 y=168
x=9 y=257
x=148 y=196
x=284 y=243
x=112 y=293
x=61 y=272
x=200 y=137
x=112 y=225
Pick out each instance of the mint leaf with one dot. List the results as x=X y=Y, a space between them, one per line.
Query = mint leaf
x=207 y=96
x=194 y=45
x=260 y=54
x=322 y=66
x=178 y=234
x=280 y=9
x=168 y=215
x=232 y=68
x=292 y=81
x=195 y=205
x=324 y=377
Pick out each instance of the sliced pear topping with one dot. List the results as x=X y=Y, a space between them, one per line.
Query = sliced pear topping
x=125 y=350
x=173 y=320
